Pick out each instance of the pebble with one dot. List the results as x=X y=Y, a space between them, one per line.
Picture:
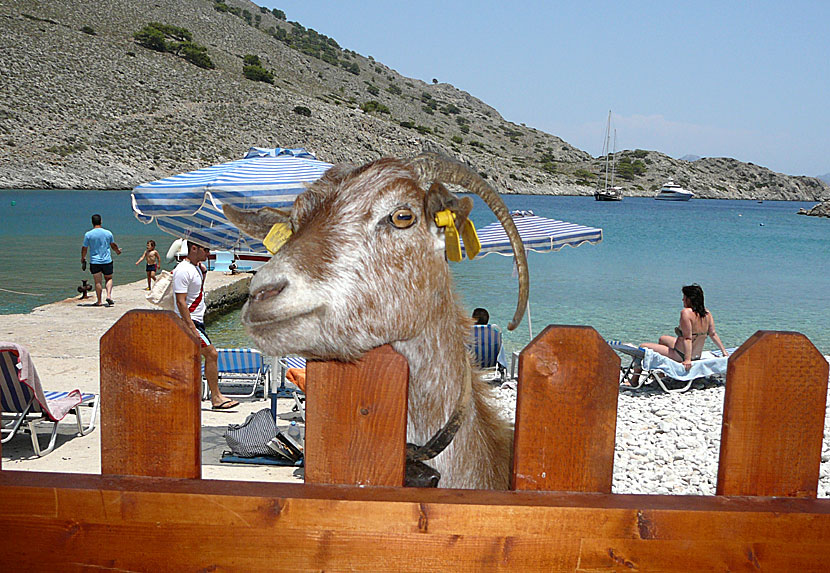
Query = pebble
x=670 y=443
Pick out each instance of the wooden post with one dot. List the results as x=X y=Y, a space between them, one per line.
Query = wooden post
x=356 y=420
x=773 y=417
x=150 y=397
x=566 y=412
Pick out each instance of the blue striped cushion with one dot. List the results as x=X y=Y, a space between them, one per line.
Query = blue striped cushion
x=293 y=361
x=486 y=344
x=240 y=360
x=57 y=395
x=13 y=395
x=626 y=347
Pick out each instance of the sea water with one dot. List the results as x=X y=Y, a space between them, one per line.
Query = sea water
x=41 y=234
x=761 y=266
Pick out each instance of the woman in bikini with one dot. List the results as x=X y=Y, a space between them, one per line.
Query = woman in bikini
x=696 y=323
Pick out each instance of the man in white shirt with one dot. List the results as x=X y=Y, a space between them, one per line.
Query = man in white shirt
x=188 y=288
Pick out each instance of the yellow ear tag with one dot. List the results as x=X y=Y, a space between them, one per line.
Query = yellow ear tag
x=452 y=242
x=471 y=243
x=276 y=237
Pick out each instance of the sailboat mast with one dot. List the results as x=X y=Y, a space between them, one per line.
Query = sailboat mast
x=606 y=148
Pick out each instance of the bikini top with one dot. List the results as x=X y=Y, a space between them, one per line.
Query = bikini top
x=679 y=332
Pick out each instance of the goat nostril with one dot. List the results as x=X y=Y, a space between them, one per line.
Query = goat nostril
x=264 y=293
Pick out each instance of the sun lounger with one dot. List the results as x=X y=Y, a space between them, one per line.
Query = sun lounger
x=656 y=367
x=287 y=363
x=239 y=368
x=24 y=401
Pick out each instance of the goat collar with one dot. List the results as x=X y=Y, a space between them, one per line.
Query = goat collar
x=437 y=443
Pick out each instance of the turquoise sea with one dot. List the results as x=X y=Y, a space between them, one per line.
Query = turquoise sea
x=761 y=266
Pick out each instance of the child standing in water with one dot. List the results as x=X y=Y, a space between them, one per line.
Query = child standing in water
x=153 y=262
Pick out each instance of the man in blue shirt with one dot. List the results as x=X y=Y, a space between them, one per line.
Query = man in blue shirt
x=98 y=241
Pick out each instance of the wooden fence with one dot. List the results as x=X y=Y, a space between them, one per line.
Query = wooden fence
x=150 y=511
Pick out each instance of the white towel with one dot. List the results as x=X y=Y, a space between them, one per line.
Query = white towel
x=700 y=368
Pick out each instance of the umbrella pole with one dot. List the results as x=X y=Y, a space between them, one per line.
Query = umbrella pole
x=529 y=322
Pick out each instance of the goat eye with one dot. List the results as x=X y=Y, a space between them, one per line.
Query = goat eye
x=402 y=218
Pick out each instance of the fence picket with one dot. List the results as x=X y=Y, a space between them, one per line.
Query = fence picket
x=150 y=397
x=773 y=417
x=356 y=420
x=566 y=412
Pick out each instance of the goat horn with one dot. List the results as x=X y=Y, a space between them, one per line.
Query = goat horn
x=434 y=167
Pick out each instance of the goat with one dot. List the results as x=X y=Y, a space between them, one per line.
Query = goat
x=365 y=266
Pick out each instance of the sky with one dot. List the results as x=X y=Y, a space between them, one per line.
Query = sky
x=749 y=80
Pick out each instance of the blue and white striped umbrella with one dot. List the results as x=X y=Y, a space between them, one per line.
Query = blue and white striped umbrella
x=190 y=204
x=539 y=234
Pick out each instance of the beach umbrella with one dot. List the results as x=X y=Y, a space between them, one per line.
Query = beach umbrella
x=538 y=234
x=189 y=205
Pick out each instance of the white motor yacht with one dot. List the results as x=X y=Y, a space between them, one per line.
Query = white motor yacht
x=671 y=191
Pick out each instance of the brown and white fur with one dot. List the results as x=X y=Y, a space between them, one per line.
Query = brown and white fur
x=365 y=266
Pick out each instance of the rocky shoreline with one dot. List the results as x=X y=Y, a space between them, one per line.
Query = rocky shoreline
x=820 y=210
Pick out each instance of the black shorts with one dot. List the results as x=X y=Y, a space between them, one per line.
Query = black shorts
x=200 y=326
x=151 y=268
x=95 y=268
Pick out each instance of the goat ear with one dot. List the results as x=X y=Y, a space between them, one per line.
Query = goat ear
x=452 y=212
x=439 y=198
x=257 y=223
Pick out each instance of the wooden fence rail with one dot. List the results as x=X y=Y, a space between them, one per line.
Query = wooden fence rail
x=150 y=511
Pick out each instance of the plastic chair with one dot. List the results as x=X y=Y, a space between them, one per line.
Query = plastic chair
x=283 y=391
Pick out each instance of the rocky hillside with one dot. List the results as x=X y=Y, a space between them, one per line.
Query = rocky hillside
x=85 y=105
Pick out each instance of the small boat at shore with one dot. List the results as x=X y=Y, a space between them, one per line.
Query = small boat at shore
x=243 y=261
x=671 y=191
x=609 y=192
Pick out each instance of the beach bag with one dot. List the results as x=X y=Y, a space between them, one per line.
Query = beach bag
x=161 y=295
x=251 y=437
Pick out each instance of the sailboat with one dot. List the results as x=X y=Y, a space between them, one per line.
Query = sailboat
x=609 y=192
